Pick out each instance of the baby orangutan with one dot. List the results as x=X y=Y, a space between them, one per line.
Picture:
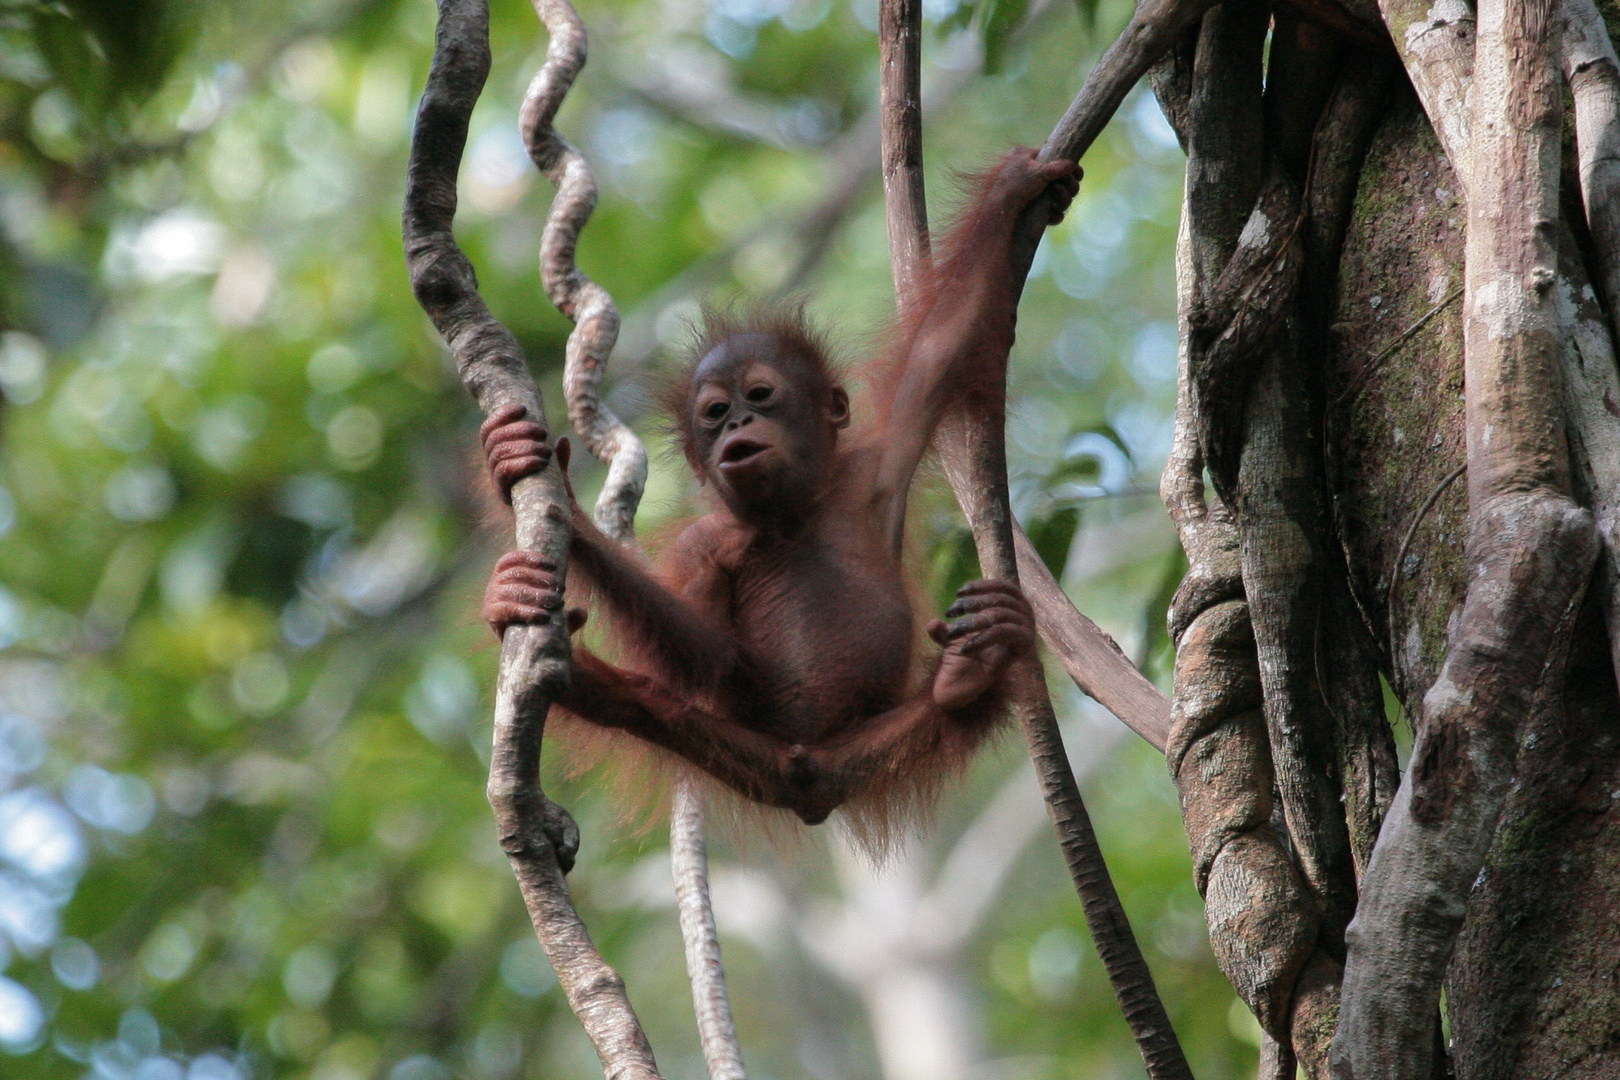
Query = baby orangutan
x=773 y=647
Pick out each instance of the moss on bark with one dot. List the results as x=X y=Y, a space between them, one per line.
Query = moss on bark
x=1535 y=980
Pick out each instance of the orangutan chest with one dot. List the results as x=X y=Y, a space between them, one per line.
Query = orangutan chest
x=830 y=642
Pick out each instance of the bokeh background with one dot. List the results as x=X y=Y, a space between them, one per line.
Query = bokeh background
x=244 y=692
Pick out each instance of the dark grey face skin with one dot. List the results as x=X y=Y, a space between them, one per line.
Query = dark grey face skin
x=765 y=429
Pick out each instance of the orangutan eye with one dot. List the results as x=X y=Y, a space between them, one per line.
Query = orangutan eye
x=758 y=395
x=715 y=410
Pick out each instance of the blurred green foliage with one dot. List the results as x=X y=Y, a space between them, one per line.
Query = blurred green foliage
x=243 y=690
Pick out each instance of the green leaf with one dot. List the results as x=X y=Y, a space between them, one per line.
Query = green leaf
x=1053 y=535
x=1157 y=649
x=956 y=562
x=998 y=19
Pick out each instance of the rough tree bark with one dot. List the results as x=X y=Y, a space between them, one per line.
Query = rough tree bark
x=1336 y=413
x=1540 y=904
x=1336 y=391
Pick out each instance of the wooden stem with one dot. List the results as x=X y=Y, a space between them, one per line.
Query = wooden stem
x=587 y=304
x=538 y=836
x=596 y=330
x=689 y=862
x=973 y=453
x=1263 y=920
x=1530 y=551
x=905 y=202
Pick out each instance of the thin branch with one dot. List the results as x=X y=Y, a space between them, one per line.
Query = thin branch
x=1365 y=372
x=900 y=103
x=689 y=83
x=689 y=862
x=1406 y=541
x=974 y=457
x=1093 y=659
x=1096 y=663
x=538 y=837
x=1153 y=29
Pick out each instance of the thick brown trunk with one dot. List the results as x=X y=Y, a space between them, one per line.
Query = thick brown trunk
x=1534 y=983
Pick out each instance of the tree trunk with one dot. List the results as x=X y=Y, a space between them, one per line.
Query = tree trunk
x=1533 y=989
x=1368 y=513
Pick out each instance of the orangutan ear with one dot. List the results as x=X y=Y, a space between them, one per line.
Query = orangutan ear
x=838 y=411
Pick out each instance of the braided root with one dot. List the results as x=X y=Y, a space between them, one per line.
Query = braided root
x=596 y=330
x=596 y=319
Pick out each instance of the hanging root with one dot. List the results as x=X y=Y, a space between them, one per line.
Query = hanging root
x=689 y=859
x=596 y=328
x=596 y=320
x=538 y=836
x=974 y=457
x=1530 y=553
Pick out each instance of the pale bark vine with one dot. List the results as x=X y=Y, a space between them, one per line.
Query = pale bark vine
x=538 y=837
x=596 y=330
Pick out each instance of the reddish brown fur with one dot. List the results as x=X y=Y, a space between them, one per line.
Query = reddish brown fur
x=786 y=323
x=775 y=646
